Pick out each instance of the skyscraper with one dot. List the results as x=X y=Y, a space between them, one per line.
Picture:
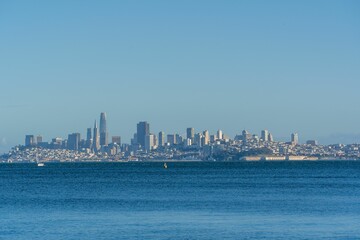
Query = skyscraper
x=265 y=135
x=149 y=142
x=88 y=138
x=103 y=130
x=29 y=140
x=171 y=139
x=143 y=129
x=245 y=135
x=295 y=138
x=39 y=139
x=96 y=144
x=73 y=141
x=178 y=139
x=198 y=139
x=88 y=134
x=190 y=133
x=161 y=139
x=270 y=137
x=219 y=134
x=206 y=137
x=116 y=139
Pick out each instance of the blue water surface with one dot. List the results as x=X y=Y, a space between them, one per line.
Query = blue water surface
x=192 y=200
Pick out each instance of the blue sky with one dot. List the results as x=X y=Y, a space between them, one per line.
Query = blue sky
x=282 y=65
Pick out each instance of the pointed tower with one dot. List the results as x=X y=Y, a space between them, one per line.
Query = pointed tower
x=96 y=144
x=103 y=130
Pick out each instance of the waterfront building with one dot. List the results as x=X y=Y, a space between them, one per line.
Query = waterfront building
x=96 y=142
x=190 y=133
x=161 y=139
x=294 y=139
x=103 y=130
x=265 y=135
x=143 y=129
x=29 y=140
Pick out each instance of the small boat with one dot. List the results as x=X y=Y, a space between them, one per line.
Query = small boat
x=40 y=164
x=165 y=165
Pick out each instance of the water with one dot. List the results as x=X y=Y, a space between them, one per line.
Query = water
x=245 y=200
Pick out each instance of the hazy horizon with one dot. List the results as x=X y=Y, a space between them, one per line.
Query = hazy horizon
x=278 y=65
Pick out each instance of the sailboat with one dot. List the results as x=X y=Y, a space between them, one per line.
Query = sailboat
x=165 y=166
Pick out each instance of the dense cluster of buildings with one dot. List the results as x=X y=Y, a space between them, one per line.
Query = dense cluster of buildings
x=194 y=146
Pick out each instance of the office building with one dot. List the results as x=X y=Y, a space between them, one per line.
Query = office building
x=116 y=139
x=198 y=139
x=178 y=139
x=265 y=135
x=96 y=140
x=312 y=142
x=39 y=139
x=73 y=141
x=270 y=137
x=246 y=135
x=294 y=139
x=143 y=129
x=88 y=138
x=206 y=137
x=103 y=130
x=161 y=139
x=29 y=140
x=171 y=139
x=149 y=142
x=219 y=134
x=88 y=134
x=190 y=133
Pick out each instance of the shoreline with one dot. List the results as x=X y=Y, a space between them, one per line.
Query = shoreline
x=184 y=161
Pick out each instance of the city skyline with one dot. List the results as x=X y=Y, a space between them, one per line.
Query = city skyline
x=176 y=130
x=94 y=141
x=284 y=66
x=194 y=145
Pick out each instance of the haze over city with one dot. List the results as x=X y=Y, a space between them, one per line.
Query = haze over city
x=283 y=66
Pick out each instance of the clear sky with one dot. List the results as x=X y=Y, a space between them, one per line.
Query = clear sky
x=287 y=66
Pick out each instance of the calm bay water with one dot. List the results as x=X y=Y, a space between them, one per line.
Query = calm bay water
x=272 y=200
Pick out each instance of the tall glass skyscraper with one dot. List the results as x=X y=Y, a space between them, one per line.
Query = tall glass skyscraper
x=88 y=138
x=103 y=130
x=190 y=133
x=143 y=129
x=161 y=138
